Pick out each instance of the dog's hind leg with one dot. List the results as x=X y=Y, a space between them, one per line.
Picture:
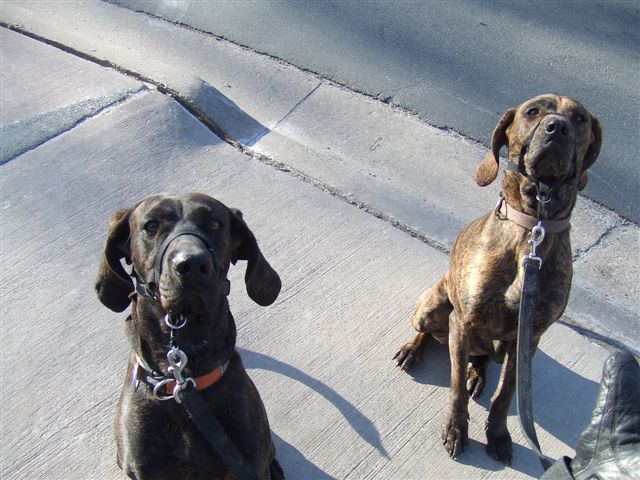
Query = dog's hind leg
x=432 y=311
x=430 y=319
x=476 y=374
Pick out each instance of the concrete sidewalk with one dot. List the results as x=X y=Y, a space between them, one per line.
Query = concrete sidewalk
x=355 y=204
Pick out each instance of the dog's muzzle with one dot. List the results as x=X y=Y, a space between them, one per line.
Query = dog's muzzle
x=544 y=189
x=150 y=287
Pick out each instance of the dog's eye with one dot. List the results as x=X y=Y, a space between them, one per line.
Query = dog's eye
x=151 y=227
x=580 y=118
x=214 y=225
x=533 y=111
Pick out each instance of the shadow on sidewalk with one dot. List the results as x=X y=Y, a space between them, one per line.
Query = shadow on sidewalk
x=562 y=399
x=294 y=463
x=360 y=423
x=433 y=367
x=220 y=114
x=562 y=404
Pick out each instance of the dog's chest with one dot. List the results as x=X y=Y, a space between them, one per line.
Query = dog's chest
x=494 y=308
x=499 y=314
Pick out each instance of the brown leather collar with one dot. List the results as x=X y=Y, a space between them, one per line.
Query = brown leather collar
x=142 y=373
x=504 y=211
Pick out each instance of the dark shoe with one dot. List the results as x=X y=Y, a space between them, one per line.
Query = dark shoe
x=609 y=448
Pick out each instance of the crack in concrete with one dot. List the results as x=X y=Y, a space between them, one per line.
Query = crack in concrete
x=580 y=253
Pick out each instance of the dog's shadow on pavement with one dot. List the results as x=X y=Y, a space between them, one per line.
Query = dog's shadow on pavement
x=562 y=399
x=433 y=366
x=293 y=461
x=359 y=422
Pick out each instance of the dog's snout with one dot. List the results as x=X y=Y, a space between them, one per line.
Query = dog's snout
x=192 y=264
x=557 y=125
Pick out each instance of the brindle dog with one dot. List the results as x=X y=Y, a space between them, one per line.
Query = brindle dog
x=156 y=439
x=474 y=307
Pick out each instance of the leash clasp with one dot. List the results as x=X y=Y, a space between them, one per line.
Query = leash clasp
x=178 y=361
x=537 y=236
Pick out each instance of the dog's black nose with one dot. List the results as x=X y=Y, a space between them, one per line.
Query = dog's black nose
x=192 y=264
x=557 y=125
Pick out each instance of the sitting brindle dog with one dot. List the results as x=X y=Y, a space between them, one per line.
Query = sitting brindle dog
x=474 y=308
x=181 y=247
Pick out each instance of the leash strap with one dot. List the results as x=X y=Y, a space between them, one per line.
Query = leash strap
x=215 y=435
x=530 y=285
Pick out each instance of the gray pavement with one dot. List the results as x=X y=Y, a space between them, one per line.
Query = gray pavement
x=353 y=202
x=458 y=64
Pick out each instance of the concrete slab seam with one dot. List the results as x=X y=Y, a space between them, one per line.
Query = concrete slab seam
x=103 y=63
x=297 y=105
x=345 y=198
x=35 y=126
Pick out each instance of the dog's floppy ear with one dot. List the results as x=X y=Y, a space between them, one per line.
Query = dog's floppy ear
x=113 y=285
x=262 y=282
x=487 y=171
x=592 y=152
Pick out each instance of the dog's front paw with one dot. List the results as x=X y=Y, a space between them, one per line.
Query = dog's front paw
x=454 y=437
x=499 y=446
x=407 y=354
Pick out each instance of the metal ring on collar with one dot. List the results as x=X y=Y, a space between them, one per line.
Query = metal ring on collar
x=182 y=321
x=543 y=198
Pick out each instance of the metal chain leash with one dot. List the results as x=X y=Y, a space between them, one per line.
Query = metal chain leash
x=177 y=362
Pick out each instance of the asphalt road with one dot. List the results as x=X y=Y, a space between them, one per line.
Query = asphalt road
x=458 y=64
